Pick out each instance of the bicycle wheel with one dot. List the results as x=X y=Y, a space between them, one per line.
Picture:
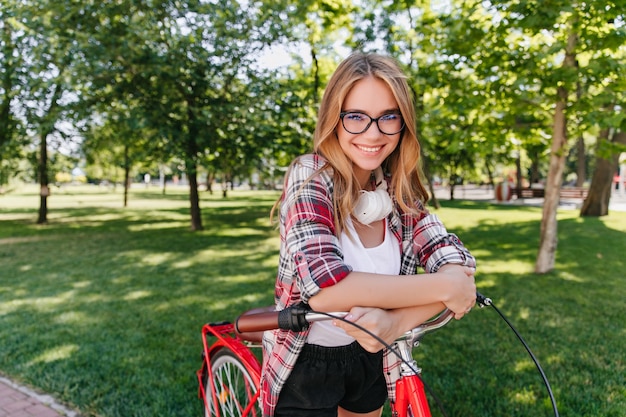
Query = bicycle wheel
x=234 y=387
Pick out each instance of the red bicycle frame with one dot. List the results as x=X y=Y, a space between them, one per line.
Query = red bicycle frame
x=410 y=391
x=226 y=338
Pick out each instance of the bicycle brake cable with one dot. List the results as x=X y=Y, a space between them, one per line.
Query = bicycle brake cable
x=483 y=302
x=394 y=351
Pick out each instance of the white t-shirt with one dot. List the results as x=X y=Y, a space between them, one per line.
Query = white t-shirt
x=382 y=259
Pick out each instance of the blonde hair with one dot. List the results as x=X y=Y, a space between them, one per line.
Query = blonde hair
x=403 y=164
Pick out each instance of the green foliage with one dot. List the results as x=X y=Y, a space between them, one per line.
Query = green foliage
x=181 y=80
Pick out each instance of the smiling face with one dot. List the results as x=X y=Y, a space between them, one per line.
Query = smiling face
x=368 y=150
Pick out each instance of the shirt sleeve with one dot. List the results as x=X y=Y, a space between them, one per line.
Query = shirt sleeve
x=436 y=247
x=309 y=231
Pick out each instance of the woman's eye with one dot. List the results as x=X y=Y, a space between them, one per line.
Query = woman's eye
x=390 y=117
x=355 y=116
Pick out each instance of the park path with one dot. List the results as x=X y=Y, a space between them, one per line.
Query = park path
x=20 y=401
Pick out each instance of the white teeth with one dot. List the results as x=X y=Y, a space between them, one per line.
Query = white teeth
x=364 y=149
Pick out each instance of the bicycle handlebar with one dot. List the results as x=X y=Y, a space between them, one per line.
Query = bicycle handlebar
x=298 y=317
x=295 y=318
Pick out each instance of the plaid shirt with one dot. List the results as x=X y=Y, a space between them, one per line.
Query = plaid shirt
x=311 y=259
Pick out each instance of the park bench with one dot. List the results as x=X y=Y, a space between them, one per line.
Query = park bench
x=566 y=192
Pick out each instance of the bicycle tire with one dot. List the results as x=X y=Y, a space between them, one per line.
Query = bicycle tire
x=234 y=387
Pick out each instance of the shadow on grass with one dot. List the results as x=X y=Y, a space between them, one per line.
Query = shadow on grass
x=104 y=309
x=572 y=318
x=107 y=313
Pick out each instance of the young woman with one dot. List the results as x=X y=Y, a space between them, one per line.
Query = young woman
x=353 y=232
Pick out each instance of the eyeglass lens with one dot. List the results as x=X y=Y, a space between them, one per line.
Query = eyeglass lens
x=356 y=123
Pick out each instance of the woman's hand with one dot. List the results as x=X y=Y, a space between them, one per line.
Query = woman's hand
x=378 y=321
x=462 y=295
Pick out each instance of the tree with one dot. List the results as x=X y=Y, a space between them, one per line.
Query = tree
x=47 y=94
x=11 y=64
x=182 y=64
x=551 y=52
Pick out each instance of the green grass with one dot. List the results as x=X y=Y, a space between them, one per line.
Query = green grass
x=103 y=307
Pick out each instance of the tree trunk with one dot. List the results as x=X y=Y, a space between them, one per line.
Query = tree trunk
x=126 y=175
x=549 y=233
x=518 y=173
x=43 y=155
x=316 y=75
x=43 y=180
x=191 y=165
x=194 y=199
x=597 y=202
x=490 y=175
x=434 y=201
x=534 y=168
x=581 y=171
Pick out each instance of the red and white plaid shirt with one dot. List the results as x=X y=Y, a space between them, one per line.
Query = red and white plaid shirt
x=311 y=259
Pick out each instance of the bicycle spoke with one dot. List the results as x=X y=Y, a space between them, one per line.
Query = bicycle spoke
x=235 y=391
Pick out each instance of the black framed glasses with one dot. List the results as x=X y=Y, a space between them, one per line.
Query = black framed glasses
x=357 y=122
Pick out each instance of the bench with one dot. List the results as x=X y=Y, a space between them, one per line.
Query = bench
x=567 y=192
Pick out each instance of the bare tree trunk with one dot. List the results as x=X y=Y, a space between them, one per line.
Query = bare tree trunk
x=44 y=186
x=518 y=173
x=581 y=172
x=549 y=230
x=434 y=201
x=597 y=202
x=316 y=75
x=194 y=198
x=191 y=166
x=43 y=155
x=126 y=175
x=490 y=174
x=534 y=167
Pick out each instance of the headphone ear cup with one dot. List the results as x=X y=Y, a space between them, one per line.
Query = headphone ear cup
x=372 y=206
x=384 y=203
x=363 y=206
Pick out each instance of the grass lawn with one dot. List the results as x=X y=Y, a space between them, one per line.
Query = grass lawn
x=103 y=307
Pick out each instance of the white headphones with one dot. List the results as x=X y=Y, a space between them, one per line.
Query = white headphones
x=374 y=205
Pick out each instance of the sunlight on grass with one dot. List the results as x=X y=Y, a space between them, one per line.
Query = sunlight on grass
x=136 y=295
x=124 y=292
x=239 y=232
x=171 y=224
x=73 y=317
x=148 y=258
x=246 y=299
x=525 y=396
x=40 y=303
x=524 y=313
x=524 y=366
x=554 y=360
x=569 y=276
x=54 y=354
x=519 y=266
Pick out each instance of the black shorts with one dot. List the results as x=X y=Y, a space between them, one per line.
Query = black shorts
x=326 y=377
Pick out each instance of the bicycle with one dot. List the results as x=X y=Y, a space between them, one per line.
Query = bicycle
x=230 y=374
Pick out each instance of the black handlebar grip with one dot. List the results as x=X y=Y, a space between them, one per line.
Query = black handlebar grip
x=293 y=318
